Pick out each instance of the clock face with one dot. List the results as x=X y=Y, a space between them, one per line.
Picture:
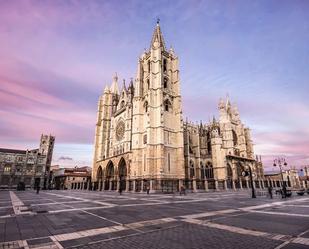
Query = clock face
x=120 y=130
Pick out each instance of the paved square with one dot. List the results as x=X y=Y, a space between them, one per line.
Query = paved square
x=88 y=219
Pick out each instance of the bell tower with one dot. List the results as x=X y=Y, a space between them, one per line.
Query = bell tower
x=157 y=138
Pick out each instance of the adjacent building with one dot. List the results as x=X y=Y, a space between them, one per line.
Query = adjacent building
x=71 y=178
x=141 y=139
x=31 y=166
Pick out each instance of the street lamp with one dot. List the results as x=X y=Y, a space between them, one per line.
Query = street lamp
x=280 y=162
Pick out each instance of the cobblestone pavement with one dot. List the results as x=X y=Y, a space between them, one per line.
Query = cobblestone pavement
x=88 y=219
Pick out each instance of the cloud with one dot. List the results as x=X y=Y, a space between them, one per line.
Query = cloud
x=65 y=158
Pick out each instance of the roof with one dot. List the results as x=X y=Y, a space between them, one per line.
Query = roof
x=4 y=150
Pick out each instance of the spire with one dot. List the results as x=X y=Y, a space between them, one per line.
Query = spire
x=106 y=89
x=157 y=37
x=114 y=87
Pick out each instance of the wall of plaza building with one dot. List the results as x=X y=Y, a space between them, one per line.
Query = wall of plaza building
x=142 y=141
x=31 y=166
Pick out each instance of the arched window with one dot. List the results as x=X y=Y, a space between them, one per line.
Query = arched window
x=209 y=171
x=148 y=84
x=122 y=104
x=164 y=65
x=202 y=171
x=234 y=138
x=167 y=105
x=192 y=172
x=165 y=82
x=146 y=106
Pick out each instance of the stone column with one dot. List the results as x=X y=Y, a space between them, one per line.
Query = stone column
x=134 y=185
x=110 y=185
x=247 y=183
x=254 y=184
x=225 y=184
x=234 y=187
x=142 y=186
x=206 y=185
x=127 y=185
x=240 y=183
x=118 y=185
x=151 y=186
x=100 y=184
x=88 y=185
x=216 y=185
x=103 y=185
x=194 y=185
x=263 y=186
x=180 y=184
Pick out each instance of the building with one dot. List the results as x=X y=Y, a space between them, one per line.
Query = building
x=289 y=177
x=71 y=178
x=142 y=141
x=28 y=166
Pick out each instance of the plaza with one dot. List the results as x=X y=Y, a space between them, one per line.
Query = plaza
x=95 y=219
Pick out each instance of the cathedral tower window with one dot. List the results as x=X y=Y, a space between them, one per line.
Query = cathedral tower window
x=235 y=140
x=164 y=65
x=165 y=82
x=148 y=84
x=167 y=105
x=146 y=106
x=145 y=139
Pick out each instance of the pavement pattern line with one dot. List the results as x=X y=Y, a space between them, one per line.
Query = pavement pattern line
x=278 y=213
x=18 y=206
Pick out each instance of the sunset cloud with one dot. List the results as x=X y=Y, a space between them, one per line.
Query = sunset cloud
x=57 y=57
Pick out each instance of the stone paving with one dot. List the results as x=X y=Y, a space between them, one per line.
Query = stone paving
x=90 y=219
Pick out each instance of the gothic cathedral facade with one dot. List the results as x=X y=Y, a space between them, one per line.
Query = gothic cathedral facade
x=142 y=142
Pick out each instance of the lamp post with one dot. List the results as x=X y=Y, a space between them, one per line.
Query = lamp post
x=280 y=162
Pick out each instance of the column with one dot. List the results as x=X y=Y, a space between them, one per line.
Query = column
x=151 y=186
x=263 y=186
x=180 y=184
x=216 y=185
x=103 y=185
x=134 y=185
x=127 y=185
x=88 y=185
x=206 y=185
x=225 y=184
x=254 y=184
x=142 y=186
x=234 y=187
x=240 y=183
x=118 y=185
x=247 y=183
x=110 y=185
x=100 y=184
x=194 y=185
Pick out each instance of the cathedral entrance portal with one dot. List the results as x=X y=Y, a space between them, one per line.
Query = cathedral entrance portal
x=122 y=173
x=109 y=183
x=100 y=177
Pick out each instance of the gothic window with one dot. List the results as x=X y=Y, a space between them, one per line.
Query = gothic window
x=192 y=173
x=148 y=84
x=146 y=106
x=234 y=138
x=202 y=171
x=122 y=104
x=209 y=171
x=165 y=81
x=164 y=65
x=167 y=105
x=145 y=139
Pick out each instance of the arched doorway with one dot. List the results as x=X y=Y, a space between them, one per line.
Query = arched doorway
x=229 y=173
x=110 y=173
x=100 y=178
x=122 y=173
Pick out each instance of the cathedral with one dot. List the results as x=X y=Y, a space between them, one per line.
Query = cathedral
x=142 y=142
